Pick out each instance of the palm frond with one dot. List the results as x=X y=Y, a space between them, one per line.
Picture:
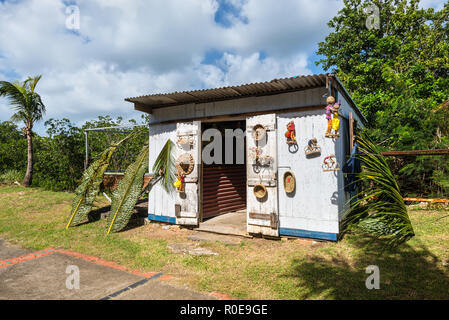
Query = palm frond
x=165 y=168
x=15 y=93
x=379 y=208
x=27 y=103
x=32 y=82
x=128 y=191
x=90 y=186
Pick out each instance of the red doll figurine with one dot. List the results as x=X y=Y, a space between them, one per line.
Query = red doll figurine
x=291 y=133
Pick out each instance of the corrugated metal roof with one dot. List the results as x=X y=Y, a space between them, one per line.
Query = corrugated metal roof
x=233 y=92
x=276 y=86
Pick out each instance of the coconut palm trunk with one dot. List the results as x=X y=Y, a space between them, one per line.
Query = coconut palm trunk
x=28 y=179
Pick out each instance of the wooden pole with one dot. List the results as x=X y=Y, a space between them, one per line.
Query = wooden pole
x=86 y=160
x=436 y=152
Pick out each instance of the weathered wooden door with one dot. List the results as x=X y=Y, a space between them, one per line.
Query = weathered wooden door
x=262 y=211
x=187 y=207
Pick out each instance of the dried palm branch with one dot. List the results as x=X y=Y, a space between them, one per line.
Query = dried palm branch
x=90 y=186
x=128 y=191
x=164 y=167
x=378 y=209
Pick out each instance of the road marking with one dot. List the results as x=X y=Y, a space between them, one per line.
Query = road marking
x=26 y=257
x=130 y=287
x=106 y=263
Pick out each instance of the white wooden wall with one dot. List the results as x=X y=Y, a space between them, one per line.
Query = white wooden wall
x=160 y=203
x=314 y=206
x=304 y=98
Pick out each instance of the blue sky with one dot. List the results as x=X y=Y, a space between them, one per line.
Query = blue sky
x=127 y=48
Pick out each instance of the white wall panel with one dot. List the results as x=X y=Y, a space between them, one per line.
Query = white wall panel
x=160 y=202
x=313 y=206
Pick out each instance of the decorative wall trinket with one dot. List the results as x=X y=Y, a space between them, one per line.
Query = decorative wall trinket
x=291 y=133
x=289 y=182
x=258 y=157
x=330 y=102
x=180 y=184
x=312 y=148
x=330 y=164
x=259 y=132
x=185 y=164
x=260 y=191
x=333 y=121
x=185 y=142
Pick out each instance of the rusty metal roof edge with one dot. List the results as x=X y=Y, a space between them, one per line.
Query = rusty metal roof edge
x=131 y=99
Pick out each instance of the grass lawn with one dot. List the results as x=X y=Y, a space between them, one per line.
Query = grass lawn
x=255 y=269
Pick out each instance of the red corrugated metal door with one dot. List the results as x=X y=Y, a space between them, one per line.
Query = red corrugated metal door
x=224 y=189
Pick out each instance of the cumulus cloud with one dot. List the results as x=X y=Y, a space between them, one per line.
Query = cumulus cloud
x=133 y=47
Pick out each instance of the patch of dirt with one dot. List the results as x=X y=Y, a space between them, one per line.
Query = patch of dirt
x=192 y=249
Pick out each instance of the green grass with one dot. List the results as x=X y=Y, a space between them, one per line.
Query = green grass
x=255 y=269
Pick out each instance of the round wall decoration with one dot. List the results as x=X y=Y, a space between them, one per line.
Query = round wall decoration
x=185 y=164
x=289 y=182
x=259 y=132
x=260 y=191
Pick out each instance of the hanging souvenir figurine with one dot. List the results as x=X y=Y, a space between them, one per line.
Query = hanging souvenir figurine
x=336 y=119
x=333 y=122
x=330 y=164
x=291 y=133
x=330 y=101
x=312 y=149
x=180 y=184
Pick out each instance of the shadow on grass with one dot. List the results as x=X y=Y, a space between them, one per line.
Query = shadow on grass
x=405 y=273
x=137 y=219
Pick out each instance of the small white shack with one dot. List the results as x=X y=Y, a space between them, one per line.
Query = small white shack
x=290 y=181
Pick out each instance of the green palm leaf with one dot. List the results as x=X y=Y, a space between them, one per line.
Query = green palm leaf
x=379 y=208
x=128 y=191
x=90 y=186
x=164 y=167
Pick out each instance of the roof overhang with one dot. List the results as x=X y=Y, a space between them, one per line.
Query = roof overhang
x=148 y=103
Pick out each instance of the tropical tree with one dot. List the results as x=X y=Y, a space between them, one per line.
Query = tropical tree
x=29 y=109
x=397 y=72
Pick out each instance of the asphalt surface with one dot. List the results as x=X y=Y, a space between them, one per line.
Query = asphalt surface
x=53 y=274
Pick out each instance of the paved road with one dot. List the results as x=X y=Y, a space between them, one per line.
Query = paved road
x=51 y=274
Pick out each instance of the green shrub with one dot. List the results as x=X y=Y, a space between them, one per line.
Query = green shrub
x=11 y=176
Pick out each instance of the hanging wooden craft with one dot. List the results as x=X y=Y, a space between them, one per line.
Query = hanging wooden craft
x=312 y=148
x=259 y=132
x=185 y=164
x=259 y=159
x=260 y=191
x=185 y=142
x=180 y=184
x=330 y=164
x=333 y=121
x=289 y=182
x=291 y=133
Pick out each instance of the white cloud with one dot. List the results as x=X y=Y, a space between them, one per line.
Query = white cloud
x=134 y=47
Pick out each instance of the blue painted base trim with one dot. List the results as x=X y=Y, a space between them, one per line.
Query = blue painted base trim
x=154 y=217
x=308 y=234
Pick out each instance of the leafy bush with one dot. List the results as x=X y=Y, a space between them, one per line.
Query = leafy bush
x=11 y=176
x=59 y=156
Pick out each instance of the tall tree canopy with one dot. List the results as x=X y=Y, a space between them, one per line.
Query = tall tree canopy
x=397 y=72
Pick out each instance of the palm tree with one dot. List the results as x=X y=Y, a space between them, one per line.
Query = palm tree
x=29 y=109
